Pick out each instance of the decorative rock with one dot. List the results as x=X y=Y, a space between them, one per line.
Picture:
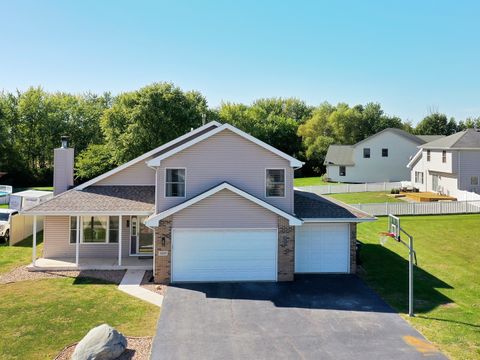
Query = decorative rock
x=101 y=343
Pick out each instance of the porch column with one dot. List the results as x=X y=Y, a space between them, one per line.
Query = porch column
x=120 y=228
x=34 y=245
x=77 y=241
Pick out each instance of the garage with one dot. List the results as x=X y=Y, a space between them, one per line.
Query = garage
x=224 y=255
x=322 y=248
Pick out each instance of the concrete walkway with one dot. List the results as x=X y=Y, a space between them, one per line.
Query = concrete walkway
x=131 y=285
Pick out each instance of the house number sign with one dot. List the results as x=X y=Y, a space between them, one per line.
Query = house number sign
x=163 y=253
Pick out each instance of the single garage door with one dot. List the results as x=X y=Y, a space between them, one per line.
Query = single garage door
x=224 y=255
x=322 y=248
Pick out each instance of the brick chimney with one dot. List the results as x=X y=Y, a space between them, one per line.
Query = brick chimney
x=62 y=167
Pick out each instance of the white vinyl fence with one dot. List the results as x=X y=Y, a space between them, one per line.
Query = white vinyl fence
x=421 y=208
x=349 y=188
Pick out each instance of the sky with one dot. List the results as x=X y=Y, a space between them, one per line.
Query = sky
x=413 y=57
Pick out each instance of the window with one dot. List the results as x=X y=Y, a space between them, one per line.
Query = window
x=419 y=177
x=73 y=229
x=384 y=152
x=342 y=171
x=95 y=229
x=474 y=180
x=428 y=155
x=444 y=156
x=366 y=153
x=275 y=183
x=113 y=229
x=175 y=183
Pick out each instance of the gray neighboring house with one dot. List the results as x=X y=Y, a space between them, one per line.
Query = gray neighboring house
x=378 y=158
x=450 y=165
x=215 y=204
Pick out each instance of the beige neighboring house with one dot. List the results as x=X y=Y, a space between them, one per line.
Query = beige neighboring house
x=215 y=204
x=450 y=165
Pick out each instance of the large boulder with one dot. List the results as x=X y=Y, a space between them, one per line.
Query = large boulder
x=101 y=343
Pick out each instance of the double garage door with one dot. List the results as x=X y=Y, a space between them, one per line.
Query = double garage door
x=251 y=255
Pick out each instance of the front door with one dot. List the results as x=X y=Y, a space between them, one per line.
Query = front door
x=141 y=237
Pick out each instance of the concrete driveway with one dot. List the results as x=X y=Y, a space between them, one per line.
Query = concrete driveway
x=315 y=317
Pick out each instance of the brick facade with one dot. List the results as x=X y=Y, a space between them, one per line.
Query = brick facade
x=163 y=243
x=353 y=248
x=286 y=250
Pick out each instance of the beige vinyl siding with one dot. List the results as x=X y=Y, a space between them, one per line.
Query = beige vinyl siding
x=57 y=241
x=225 y=210
x=137 y=174
x=225 y=156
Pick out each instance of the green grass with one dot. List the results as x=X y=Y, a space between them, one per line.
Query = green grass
x=39 y=318
x=310 y=181
x=364 y=197
x=4 y=206
x=446 y=281
x=20 y=254
x=42 y=188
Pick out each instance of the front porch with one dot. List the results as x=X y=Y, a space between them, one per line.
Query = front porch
x=69 y=264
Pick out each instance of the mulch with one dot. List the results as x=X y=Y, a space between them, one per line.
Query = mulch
x=138 y=348
x=22 y=274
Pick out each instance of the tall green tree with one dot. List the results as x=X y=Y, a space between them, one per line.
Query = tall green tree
x=436 y=124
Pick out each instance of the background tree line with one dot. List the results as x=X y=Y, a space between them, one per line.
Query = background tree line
x=107 y=131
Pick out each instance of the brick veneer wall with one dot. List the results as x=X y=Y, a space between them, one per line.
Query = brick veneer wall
x=353 y=248
x=163 y=263
x=286 y=250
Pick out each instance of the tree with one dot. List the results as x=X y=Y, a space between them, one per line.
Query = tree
x=436 y=124
x=141 y=120
x=95 y=160
x=469 y=123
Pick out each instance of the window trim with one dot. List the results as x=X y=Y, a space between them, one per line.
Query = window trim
x=284 y=183
x=429 y=155
x=385 y=156
x=340 y=170
x=107 y=242
x=444 y=156
x=369 y=153
x=419 y=176
x=165 y=183
x=70 y=229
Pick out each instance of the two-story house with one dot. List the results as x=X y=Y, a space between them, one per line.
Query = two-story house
x=450 y=165
x=378 y=158
x=215 y=204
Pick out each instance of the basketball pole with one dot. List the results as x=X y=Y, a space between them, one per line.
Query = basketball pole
x=411 y=256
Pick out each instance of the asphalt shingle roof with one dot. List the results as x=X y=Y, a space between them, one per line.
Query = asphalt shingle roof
x=313 y=206
x=101 y=199
x=469 y=138
x=339 y=155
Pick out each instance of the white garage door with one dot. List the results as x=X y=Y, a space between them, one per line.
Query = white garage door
x=322 y=248
x=224 y=255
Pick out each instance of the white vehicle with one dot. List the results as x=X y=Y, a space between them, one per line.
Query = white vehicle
x=5 y=221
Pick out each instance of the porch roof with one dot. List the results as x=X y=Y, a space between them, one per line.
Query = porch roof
x=97 y=200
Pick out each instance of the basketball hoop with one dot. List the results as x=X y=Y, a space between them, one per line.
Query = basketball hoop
x=384 y=236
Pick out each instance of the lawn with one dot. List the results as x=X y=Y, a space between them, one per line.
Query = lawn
x=4 y=206
x=310 y=181
x=365 y=197
x=447 y=286
x=20 y=254
x=39 y=318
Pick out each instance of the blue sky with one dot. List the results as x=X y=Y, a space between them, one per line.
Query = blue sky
x=411 y=56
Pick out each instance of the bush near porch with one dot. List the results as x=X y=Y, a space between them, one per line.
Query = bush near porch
x=447 y=290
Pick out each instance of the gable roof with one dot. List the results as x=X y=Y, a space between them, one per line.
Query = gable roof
x=414 y=159
x=414 y=138
x=428 y=138
x=154 y=219
x=467 y=139
x=155 y=152
x=156 y=161
x=98 y=200
x=339 y=155
x=311 y=207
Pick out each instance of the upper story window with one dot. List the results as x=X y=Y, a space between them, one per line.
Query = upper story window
x=384 y=152
x=342 y=170
x=444 y=156
x=474 y=180
x=175 y=182
x=428 y=155
x=275 y=183
x=366 y=153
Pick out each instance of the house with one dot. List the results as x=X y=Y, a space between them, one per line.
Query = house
x=450 y=165
x=378 y=158
x=215 y=204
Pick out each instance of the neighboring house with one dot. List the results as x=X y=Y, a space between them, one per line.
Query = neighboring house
x=215 y=204
x=378 y=158
x=448 y=165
